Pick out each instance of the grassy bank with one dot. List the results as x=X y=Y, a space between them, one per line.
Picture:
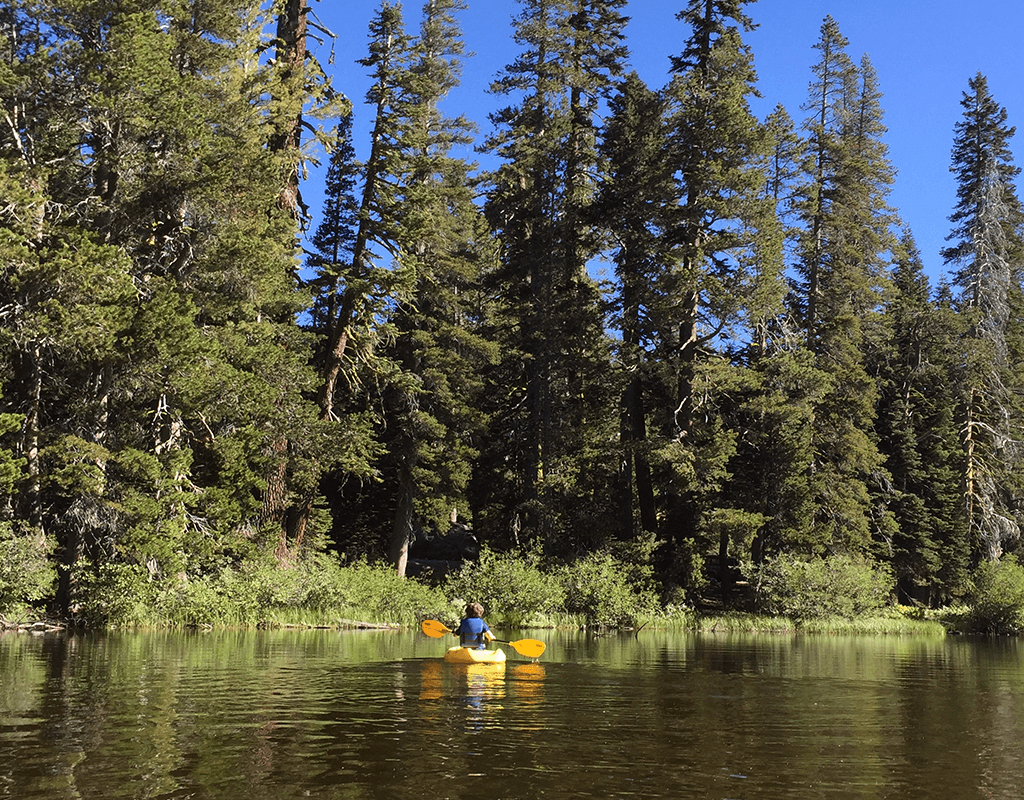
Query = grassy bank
x=601 y=590
x=894 y=624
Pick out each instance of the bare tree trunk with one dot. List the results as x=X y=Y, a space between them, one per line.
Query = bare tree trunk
x=403 y=532
x=687 y=357
x=33 y=381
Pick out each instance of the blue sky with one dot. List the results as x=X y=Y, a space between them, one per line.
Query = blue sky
x=924 y=52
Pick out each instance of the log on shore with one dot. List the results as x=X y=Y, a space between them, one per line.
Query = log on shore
x=39 y=626
x=377 y=626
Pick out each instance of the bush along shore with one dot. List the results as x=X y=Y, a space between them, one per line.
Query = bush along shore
x=601 y=591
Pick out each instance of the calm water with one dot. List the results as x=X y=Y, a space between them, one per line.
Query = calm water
x=378 y=715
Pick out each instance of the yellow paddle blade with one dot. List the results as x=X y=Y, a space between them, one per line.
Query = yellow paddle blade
x=433 y=628
x=531 y=648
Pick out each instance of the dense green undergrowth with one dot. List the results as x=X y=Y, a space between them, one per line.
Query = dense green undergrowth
x=518 y=590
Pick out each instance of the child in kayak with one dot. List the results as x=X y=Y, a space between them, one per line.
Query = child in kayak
x=473 y=631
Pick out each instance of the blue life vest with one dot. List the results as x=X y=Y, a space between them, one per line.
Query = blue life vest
x=471 y=632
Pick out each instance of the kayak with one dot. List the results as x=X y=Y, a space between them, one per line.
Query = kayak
x=471 y=655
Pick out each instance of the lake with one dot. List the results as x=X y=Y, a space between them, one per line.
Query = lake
x=378 y=714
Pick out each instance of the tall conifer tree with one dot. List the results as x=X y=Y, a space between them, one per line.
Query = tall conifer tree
x=631 y=209
x=549 y=465
x=724 y=233
x=843 y=255
x=398 y=326
x=987 y=251
x=361 y=279
x=174 y=360
x=432 y=421
x=366 y=282
x=917 y=425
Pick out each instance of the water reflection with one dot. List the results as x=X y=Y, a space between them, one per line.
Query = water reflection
x=481 y=681
x=431 y=683
x=665 y=714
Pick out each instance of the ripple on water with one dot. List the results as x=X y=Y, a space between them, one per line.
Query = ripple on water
x=292 y=716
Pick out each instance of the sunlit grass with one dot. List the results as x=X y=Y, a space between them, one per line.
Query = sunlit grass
x=874 y=626
x=738 y=622
x=743 y=623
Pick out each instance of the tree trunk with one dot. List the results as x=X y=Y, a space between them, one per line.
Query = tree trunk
x=687 y=357
x=403 y=532
x=286 y=141
x=724 y=578
x=32 y=379
x=970 y=466
x=291 y=60
x=635 y=471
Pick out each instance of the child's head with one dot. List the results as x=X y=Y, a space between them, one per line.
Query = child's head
x=474 y=610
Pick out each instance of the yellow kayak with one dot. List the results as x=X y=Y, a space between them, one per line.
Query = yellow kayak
x=471 y=655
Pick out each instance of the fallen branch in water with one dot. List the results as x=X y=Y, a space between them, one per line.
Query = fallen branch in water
x=341 y=624
x=40 y=626
x=353 y=623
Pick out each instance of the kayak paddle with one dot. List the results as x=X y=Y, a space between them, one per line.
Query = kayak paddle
x=435 y=629
x=531 y=648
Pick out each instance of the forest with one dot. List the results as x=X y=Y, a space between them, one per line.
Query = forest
x=199 y=387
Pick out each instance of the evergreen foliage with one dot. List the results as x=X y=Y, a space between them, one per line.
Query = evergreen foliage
x=917 y=424
x=548 y=464
x=433 y=420
x=987 y=250
x=631 y=210
x=727 y=263
x=844 y=241
x=193 y=424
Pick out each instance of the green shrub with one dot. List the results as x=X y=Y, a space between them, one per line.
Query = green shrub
x=117 y=595
x=837 y=586
x=375 y=593
x=261 y=587
x=317 y=590
x=511 y=586
x=26 y=576
x=955 y=618
x=607 y=591
x=997 y=602
x=324 y=588
x=198 y=602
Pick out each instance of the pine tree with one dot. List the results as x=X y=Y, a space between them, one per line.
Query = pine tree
x=334 y=239
x=987 y=250
x=432 y=422
x=366 y=284
x=166 y=366
x=917 y=428
x=843 y=265
x=781 y=387
x=726 y=244
x=366 y=277
x=630 y=208
x=549 y=465
x=767 y=316
x=353 y=448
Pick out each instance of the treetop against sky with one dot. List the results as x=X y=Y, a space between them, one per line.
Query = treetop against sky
x=924 y=53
